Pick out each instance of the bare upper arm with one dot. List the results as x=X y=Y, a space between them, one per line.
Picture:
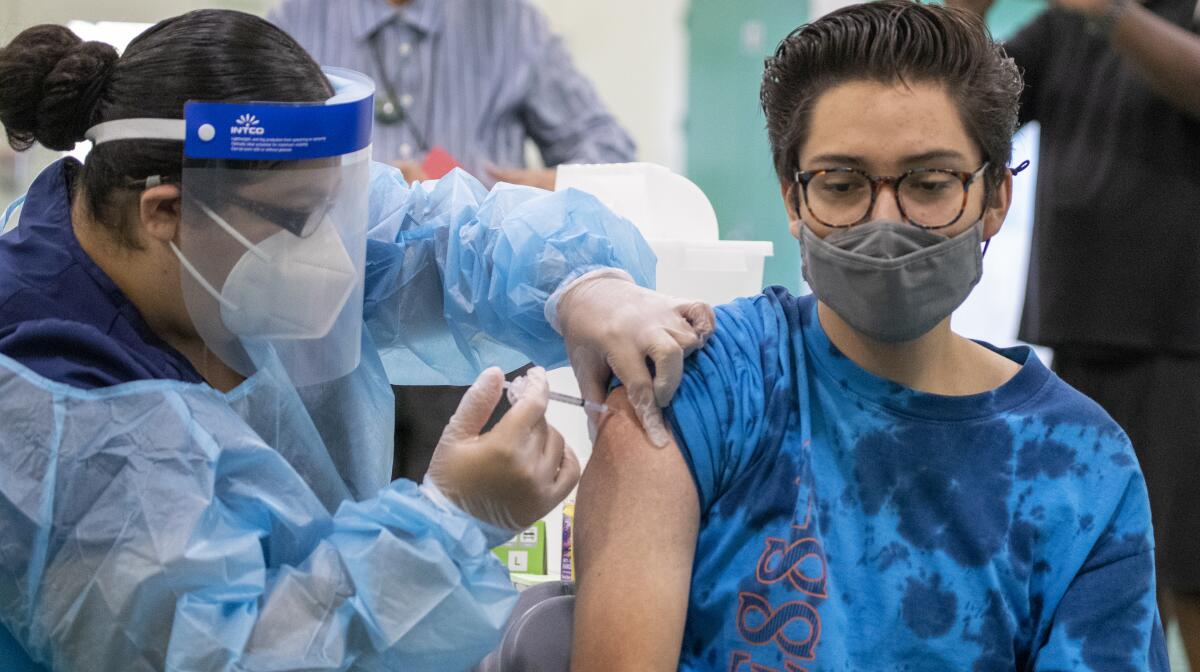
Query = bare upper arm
x=637 y=519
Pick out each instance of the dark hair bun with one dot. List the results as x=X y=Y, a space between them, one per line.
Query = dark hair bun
x=50 y=85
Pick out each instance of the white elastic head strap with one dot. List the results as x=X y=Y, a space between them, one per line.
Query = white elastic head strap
x=137 y=129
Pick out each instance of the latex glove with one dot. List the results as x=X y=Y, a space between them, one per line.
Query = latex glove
x=513 y=475
x=611 y=325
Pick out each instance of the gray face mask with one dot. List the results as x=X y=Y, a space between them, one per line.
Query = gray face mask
x=892 y=281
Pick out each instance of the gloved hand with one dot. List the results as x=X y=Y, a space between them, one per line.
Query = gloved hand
x=513 y=475
x=612 y=325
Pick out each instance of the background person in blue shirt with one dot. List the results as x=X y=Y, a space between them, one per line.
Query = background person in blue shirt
x=853 y=485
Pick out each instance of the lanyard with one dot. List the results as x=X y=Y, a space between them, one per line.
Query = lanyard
x=390 y=111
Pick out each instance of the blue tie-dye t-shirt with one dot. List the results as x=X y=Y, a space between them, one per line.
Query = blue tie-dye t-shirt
x=850 y=523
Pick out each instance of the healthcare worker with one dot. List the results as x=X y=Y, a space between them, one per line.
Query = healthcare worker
x=197 y=330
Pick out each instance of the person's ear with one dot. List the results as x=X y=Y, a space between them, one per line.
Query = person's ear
x=790 y=194
x=996 y=209
x=160 y=209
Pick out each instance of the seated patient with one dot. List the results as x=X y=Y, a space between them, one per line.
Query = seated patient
x=852 y=485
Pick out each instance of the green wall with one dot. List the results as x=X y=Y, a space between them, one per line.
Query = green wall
x=1008 y=16
x=727 y=151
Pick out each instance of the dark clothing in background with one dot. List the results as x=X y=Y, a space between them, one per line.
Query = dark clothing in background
x=1114 y=271
x=1115 y=260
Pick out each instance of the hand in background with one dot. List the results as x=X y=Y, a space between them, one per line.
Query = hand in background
x=1093 y=8
x=542 y=178
x=412 y=171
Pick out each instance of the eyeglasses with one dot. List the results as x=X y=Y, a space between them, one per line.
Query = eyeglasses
x=931 y=198
x=300 y=222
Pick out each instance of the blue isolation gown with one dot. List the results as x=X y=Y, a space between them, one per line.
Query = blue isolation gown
x=148 y=521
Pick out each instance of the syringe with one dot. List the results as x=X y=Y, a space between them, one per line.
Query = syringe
x=568 y=399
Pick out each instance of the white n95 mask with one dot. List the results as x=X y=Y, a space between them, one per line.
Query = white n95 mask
x=284 y=287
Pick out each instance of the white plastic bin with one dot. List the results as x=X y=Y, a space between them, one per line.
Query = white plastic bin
x=716 y=271
x=663 y=204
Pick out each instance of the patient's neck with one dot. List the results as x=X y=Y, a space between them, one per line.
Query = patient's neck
x=940 y=362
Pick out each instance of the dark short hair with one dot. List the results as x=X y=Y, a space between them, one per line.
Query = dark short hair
x=54 y=86
x=893 y=41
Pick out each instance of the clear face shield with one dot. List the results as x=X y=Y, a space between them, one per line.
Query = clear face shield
x=272 y=240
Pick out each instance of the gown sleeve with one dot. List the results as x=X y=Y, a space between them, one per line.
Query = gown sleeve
x=459 y=278
x=147 y=527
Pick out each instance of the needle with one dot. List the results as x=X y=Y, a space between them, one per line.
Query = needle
x=574 y=401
